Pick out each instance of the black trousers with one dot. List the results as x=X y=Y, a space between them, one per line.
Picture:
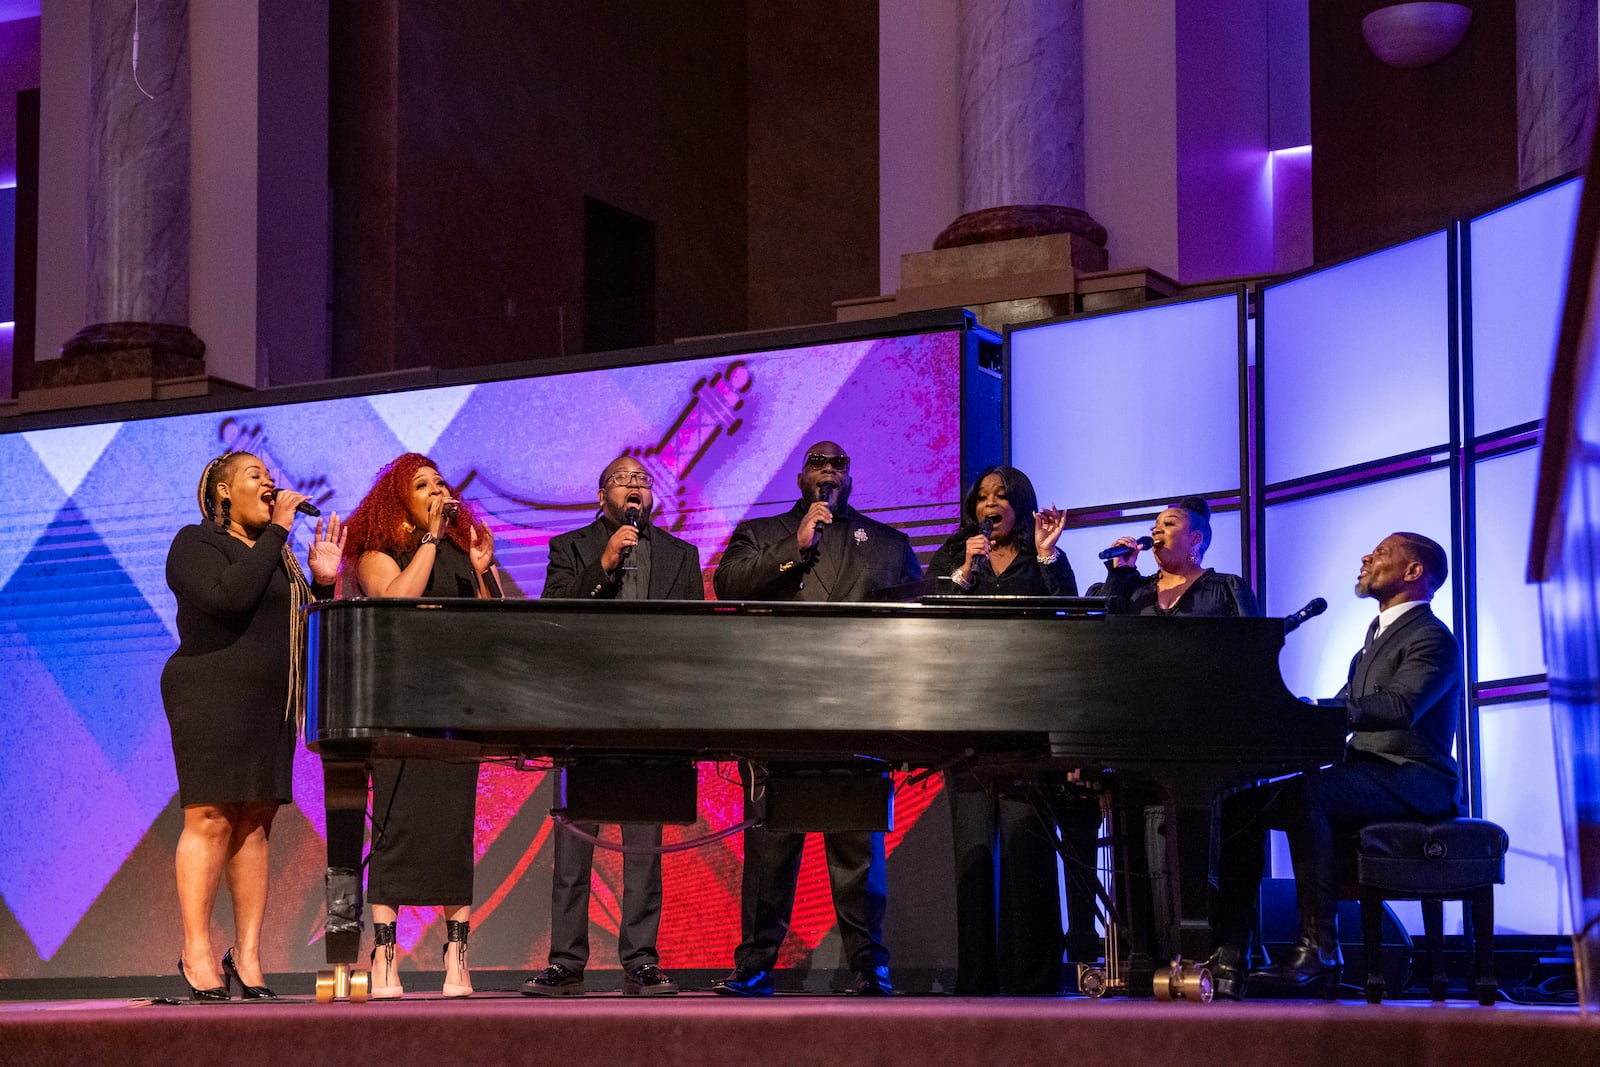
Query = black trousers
x=641 y=898
x=1314 y=809
x=856 y=873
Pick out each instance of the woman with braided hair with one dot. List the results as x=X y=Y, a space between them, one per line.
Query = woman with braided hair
x=409 y=537
x=234 y=693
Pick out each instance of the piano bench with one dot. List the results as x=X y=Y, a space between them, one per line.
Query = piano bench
x=1430 y=862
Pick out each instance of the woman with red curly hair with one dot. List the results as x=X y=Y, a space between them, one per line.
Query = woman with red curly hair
x=411 y=538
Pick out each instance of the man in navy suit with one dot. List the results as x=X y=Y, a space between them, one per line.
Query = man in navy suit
x=1403 y=700
x=819 y=550
x=618 y=556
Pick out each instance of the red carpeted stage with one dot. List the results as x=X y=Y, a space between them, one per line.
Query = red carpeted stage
x=707 y=1031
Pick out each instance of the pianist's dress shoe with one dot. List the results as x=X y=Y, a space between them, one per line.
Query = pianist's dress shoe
x=648 y=981
x=744 y=982
x=230 y=976
x=1314 y=963
x=873 y=983
x=554 y=981
x=219 y=992
x=1230 y=969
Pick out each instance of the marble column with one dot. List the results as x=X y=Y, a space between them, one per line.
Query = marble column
x=1558 y=86
x=1022 y=110
x=138 y=196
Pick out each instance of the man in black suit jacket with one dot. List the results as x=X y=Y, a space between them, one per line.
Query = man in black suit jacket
x=618 y=556
x=819 y=550
x=1403 y=700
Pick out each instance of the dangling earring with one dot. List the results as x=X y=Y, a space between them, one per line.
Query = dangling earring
x=227 y=509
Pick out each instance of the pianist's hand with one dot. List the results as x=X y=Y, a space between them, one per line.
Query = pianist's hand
x=481 y=548
x=625 y=537
x=327 y=549
x=810 y=533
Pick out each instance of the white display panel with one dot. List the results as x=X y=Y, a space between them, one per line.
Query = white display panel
x=1083 y=546
x=1314 y=548
x=1356 y=361
x=1510 y=642
x=1137 y=405
x=1517 y=750
x=1519 y=258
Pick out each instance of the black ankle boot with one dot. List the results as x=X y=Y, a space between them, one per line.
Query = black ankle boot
x=1315 y=961
x=456 y=934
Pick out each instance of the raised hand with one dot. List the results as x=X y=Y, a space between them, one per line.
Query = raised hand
x=1132 y=558
x=481 y=547
x=327 y=550
x=1048 y=523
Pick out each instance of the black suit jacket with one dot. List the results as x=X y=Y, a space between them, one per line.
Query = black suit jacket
x=763 y=561
x=1403 y=700
x=575 y=566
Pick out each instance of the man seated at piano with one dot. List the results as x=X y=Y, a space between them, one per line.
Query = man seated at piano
x=1007 y=547
x=1402 y=699
x=618 y=556
x=822 y=549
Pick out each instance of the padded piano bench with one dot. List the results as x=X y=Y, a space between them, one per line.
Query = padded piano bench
x=1453 y=859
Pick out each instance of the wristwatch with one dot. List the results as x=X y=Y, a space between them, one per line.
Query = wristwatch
x=429 y=539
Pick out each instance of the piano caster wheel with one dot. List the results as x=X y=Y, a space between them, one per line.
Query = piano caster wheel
x=1185 y=981
x=343 y=983
x=1092 y=981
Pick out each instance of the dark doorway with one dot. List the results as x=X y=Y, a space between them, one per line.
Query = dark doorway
x=619 y=278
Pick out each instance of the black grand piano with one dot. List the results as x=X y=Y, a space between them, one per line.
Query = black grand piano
x=1186 y=706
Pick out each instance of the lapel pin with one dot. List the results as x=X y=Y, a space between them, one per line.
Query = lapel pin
x=861 y=536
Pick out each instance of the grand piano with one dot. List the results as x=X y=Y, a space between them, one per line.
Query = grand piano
x=1188 y=707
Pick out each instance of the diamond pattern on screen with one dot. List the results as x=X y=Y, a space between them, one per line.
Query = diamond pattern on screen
x=418 y=418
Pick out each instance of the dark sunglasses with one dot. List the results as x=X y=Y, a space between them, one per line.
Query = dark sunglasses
x=817 y=459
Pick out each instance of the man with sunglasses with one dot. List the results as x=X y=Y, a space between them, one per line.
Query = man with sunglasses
x=618 y=556
x=819 y=550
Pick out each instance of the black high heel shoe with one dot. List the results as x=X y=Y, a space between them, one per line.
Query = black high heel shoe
x=214 y=993
x=230 y=974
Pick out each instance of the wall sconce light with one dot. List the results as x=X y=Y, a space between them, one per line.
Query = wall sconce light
x=1414 y=35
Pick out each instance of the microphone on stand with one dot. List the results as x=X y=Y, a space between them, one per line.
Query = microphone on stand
x=305 y=507
x=1118 y=551
x=1310 y=611
x=630 y=517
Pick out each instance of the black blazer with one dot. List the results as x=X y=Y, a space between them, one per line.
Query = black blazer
x=763 y=562
x=575 y=566
x=1403 y=699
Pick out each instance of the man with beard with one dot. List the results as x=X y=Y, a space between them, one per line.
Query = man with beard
x=619 y=556
x=819 y=550
x=1402 y=699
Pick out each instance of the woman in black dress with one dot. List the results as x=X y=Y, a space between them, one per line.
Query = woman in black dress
x=234 y=693
x=1182 y=585
x=409 y=538
x=1013 y=944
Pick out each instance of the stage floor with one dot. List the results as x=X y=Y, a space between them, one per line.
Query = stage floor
x=709 y=1031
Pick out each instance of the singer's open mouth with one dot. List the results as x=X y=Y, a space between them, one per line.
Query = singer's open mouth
x=635 y=498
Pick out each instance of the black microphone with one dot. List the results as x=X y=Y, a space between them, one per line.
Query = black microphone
x=451 y=507
x=1118 y=551
x=986 y=528
x=630 y=517
x=305 y=507
x=1310 y=611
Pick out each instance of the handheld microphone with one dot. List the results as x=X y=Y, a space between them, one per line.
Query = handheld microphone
x=305 y=507
x=1310 y=611
x=630 y=517
x=986 y=528
x=451 y=507
x=1118 y=551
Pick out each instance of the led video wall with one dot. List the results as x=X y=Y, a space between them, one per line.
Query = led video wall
x=87 y=622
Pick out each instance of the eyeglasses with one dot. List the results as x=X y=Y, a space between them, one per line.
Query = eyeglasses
x=629 y=480
x=817 y=459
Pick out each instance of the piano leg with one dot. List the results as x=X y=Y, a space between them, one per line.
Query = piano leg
x=345 y=800
x=1188 y=840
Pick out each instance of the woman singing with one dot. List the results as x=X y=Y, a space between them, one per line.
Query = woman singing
x=1182 y=585
x=234 y=693
x=1006 y=546
x=409 y=538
